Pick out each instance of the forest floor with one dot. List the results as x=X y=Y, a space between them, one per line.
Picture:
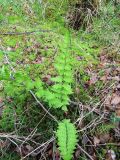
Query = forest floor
x=25 y=129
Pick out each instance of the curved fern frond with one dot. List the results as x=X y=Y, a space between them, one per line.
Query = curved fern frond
x=67 y=139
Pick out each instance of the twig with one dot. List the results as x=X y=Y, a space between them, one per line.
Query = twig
x=85 y=152
x=105 y=144
x=41 y=105
x=16 y=137
x=23 y=33
x=51 y=140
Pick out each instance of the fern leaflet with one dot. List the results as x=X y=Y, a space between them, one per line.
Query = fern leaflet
x=67 y=139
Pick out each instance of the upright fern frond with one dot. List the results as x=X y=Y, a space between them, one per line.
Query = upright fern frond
x=58 y=97
x=67 y=139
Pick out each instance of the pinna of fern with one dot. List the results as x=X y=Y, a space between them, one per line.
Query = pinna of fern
x=67 y=139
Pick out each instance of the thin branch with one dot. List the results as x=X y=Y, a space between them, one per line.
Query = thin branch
x=105 y=144
x=41 y=105
x=51 y=140
x=85 y=152
x=23 y=33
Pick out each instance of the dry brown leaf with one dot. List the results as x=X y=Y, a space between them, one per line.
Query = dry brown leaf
x=104 y=138
x=116 y=78
x=93 y=79
x=108 y=101
x=103 y=57
x=103 y=78
x=96 y=141
x=115 y=99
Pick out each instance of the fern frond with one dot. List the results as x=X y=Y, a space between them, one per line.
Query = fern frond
x=67 y=139
x=58 y=95
x=62 y=86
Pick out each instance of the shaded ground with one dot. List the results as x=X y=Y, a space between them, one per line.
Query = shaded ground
x=25 y=129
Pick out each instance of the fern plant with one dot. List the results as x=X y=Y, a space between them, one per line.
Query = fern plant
x=67 y=139
x=58 y=96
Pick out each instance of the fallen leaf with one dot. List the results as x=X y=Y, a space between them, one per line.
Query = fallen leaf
x=115 y=100
x=93 y=79
x=108 y=101
x=103 y=78
x=103 y=58
x=96 y=141
x=116 y=78
x=104 y=138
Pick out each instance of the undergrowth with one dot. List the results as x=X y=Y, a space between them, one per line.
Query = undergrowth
x=53 y=66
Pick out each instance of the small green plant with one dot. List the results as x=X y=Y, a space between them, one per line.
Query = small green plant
x=58 y=94
x=60 y=91
x=67 y=139
x=19 y=84
x=58 y=97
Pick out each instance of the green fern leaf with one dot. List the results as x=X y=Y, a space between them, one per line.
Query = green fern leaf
x=67 y=139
